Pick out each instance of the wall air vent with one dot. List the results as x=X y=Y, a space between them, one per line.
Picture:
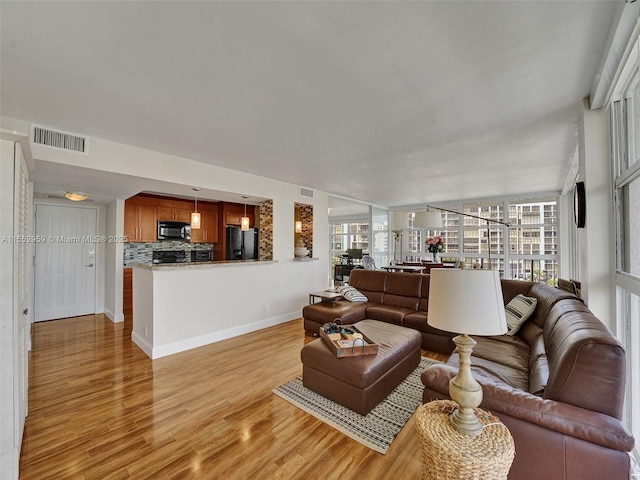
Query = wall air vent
x=305 y=192
x=59 y=140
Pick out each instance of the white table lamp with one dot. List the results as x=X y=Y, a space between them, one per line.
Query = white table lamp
x=468 y=302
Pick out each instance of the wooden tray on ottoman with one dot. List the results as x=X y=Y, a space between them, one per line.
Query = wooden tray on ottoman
x=333 y=341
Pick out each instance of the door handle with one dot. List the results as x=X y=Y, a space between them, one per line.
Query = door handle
x=90 y=265
x=25 y=311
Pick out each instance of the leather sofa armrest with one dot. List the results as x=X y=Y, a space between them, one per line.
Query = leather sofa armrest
x=561 y=417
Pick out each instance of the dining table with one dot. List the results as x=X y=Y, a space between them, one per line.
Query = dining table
x=404 y=268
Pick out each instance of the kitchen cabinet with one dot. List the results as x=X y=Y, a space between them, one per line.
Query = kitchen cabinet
x=140 y=222
x=127 y=290
x=233 y=212
x=142 y=212
x=208 y=231
x=173 y=214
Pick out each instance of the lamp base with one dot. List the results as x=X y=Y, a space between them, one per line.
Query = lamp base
x=465 y=421
x=465 y=390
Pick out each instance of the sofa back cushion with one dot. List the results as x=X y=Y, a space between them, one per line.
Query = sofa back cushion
x=402 y=290
x=423 y=304
x=369 y=282
x=586 y=362
x=511 y=288
x=547 y=297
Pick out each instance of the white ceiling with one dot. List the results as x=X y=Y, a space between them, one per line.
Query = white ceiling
x=393 y=103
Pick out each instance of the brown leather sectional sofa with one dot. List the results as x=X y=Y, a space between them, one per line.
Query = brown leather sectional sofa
x=398 y=298
x=558 y=384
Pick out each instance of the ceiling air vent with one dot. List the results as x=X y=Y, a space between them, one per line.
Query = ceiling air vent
x=60 y=140
x=305 y=192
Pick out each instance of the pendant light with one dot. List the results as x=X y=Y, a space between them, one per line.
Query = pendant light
x=244 y=221
x=195 y=216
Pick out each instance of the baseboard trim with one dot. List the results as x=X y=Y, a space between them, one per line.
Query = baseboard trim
x=142 y=344
x=115 y=318
x=195 y=342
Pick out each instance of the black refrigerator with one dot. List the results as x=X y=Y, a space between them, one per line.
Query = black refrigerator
x=242 y=245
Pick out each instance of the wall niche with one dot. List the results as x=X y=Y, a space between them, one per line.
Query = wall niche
x=303 y=230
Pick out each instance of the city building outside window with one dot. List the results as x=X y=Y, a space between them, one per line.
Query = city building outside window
x=348 y=235
x=526 y=250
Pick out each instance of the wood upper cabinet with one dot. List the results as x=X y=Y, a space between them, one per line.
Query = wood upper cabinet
x=233 y=212
x=182 y=214
x=140 y=222
x=173 y=214
x=142 y=212
x=208 y=231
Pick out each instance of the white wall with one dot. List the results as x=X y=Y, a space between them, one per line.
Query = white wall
x=178 y=308
x=113 y=261
x=289 y=281
x=117 y=158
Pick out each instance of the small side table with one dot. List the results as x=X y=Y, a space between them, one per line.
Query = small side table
x=324 y=296
x=450 y=455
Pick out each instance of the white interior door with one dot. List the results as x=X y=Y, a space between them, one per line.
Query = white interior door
x=65 y=272
x=21 y=261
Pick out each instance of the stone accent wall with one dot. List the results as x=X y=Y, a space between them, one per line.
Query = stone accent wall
x=265 y=240
x=304 y=213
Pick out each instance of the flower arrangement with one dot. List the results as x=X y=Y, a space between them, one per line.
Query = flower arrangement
x=435 y=245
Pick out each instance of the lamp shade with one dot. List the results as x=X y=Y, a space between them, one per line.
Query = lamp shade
x=244 y=224
x=195 y=220
x=428 y=220
x=400 y=221
x=466 y=301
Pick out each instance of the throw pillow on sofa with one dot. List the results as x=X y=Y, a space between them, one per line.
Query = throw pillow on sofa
x=518 y=311
x=351 y=294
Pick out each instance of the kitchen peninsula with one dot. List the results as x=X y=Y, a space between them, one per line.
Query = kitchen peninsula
x=177 y=307
x=193 y=302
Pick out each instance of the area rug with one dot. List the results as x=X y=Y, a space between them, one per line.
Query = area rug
x=380 y=426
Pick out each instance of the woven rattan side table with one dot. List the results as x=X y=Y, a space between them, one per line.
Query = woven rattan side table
x=450 y=455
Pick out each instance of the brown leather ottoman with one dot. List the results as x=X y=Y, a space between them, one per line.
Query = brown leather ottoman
x=360 y=383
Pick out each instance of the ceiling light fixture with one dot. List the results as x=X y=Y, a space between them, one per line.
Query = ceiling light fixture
x=244 y=221
x=76 y=197
x=195 y=216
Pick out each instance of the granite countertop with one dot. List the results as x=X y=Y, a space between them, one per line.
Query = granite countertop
x=187 y=265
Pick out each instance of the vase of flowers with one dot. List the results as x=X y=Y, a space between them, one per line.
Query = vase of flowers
x=435 y=245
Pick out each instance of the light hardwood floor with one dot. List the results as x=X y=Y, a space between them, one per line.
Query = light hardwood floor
x=99 y=408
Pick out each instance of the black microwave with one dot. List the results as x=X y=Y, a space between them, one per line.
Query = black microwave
x=174 y=231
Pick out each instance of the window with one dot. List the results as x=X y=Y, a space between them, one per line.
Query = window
x=379 y=243
x=346 y=235
x=526 y=250
x=624 y=111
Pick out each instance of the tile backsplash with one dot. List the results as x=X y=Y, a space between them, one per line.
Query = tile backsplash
x=142 y=252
